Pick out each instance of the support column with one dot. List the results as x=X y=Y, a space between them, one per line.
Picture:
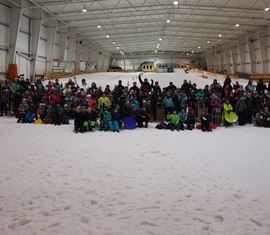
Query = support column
x=62 y=46
x=89 y=61
x=214 y=59
x=36 y=28
x=71 y=47
x=78 y=55
x=111 y=62
x=227 y=60
x=50 y=44
x=233 y=56
x=208 y=61
x=241 y=55
x=262 y=40
x=209 y=57
x=221 y=56
x=84 y=53
x=95 y=59
x=250 y=40
x=98 y=59
x=15 y=20
x=219 y=59
x=70 y=52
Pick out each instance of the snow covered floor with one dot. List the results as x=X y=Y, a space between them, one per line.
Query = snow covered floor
x=177 y=78
x=141 y=182
x=145 y=181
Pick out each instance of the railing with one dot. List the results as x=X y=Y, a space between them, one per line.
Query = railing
x=261 y=76
x=54 y=75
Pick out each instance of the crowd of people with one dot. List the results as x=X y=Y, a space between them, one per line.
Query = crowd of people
x=112 y=109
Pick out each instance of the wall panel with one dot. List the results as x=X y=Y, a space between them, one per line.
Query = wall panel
x=3 y=61
x=23 y=65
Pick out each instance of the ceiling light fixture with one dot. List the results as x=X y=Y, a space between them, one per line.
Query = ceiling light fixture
x=237 y=25
x=199 y=47
x=113 y=43
x=155 y=51
x=160 y=39
x=117 y=48
x=108 y=36
x=266 y=9
x=175 y=3
x=192 y=52
x=208 y=42
x=168 y=21
x=220 y=35
x=99 y=26
x=84 y=10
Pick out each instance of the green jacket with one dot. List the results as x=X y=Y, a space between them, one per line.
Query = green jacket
x=227 y=107
x=15 y=87
x=173 y=118
x=103 y=102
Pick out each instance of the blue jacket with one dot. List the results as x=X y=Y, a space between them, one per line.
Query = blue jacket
x=168 y=102
x=182 y=116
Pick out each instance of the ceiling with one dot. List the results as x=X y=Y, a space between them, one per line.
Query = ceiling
x=138 y=26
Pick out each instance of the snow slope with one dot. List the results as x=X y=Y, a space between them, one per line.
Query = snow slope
x=177 y=78
x=140 y=182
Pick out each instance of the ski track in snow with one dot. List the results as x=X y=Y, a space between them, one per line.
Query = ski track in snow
x=146 y=181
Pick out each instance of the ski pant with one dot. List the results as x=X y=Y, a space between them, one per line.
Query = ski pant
x=113 y=125
x=141 y=120
x=180 y=126
x=4 y=108
x=21 y=117
x=241 y=118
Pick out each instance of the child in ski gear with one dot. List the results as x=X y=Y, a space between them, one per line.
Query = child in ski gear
x=262 y=118
x=23 y=108
x=142 y=118
x=182 y=120
x=205 y=122
x=173 y=120
x=227 y=108
x=190 y=119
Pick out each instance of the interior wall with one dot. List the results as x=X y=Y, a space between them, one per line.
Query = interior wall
x=134 y=63
x=4 y=23
x=245 y=47
x=23 y=50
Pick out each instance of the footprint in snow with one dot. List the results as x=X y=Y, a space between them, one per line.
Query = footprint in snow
x=219 y=218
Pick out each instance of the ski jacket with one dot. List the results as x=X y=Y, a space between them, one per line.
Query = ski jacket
x=103 y=102
x=173 y=118
x=182 y=116
x=227 y=107
x=168 y=102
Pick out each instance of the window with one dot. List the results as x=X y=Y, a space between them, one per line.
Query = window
x=150 y=66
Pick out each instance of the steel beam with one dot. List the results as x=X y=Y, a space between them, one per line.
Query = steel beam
x=233 y=58
x=15 y=21
x=263 y=41
x=51 y=32
x=78 y=55
x=36 y=29
x=62 y=46
x=71 y=47
x=251 y=48
x=241 y=54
